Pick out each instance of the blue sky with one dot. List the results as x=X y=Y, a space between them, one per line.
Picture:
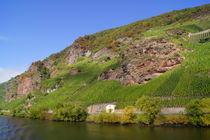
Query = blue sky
x=31 y=30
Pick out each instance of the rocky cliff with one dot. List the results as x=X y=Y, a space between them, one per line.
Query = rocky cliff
x=145 y=59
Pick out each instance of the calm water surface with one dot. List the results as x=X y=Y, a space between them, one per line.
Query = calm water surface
x=24 y=129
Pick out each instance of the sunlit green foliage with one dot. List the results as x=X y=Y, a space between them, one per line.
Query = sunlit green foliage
x=191 y=28
x=198 y=112
x=129 y=115
x=104 y=117
x=172 y=119
x=150 y=107
x=69 y=112
x=14 y=103
x=19 y=112
x=36 y=113
x=195 y=112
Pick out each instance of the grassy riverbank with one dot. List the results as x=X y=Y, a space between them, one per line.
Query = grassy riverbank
x=197 y=114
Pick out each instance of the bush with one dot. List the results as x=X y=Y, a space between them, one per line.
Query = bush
x=104 y=117
x=36 y=113
x=195 y=112
x=206 y=105
x=18 y=112
x=30 y=96
x=92 y=118
x=70 y=112
x=129 y=115
x=206 y=120
x=103 y=58
x=150 y=107
x=206 y=102
x=79 y=59
x=172 y=119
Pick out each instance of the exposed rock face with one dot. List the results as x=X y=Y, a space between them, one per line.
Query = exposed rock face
x=75 y=51
x=11 y=88
x=31 y=80
x=103 y=52
x=53 y=74
x=74 y=72
x=48 y=63
x=124 y=40
x=144 y=60
x=176 y=32
x=25 y=86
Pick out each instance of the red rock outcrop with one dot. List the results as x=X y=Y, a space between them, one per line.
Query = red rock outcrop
x=75 y=51
x=104 y=52
x=31 y=79
x=144 y=60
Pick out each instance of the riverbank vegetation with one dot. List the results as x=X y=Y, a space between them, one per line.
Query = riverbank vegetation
x=147 y=111
x=69 y=112
x=149 y=114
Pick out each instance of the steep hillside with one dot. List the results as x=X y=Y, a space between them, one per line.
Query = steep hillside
x=150 y=57
x=2 y=92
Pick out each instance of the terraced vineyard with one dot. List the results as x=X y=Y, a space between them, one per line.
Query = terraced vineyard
x=200 y=36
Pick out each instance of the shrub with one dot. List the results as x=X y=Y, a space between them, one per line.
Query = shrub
x=104 y=117
x=92 y=118
x=172 y=119
x=150 y=107
x=79 y=59
x=18 y=112
x=206 y=105
x=206 y=102
x=29 y=96
x=129 y=115
x=52 y=83
x=36 y=113
x=206 y=120
x=70 y=112
x=194 y=111
x=103 y=58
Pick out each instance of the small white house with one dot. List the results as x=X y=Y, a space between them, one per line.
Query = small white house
x=110 y=108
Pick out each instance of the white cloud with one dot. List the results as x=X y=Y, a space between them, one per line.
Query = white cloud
x=7 y=73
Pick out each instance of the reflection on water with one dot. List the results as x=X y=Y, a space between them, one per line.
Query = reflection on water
x=24 y=129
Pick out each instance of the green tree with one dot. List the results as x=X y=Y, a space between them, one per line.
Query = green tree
x=70 y=112
x=105 y=117
x=18 y=111
x=195 y=112
x=36 y=113
x=129 y=115
x=150 y=107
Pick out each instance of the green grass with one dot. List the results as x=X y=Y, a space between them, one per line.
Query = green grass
x=13 y=104
x=192 y=28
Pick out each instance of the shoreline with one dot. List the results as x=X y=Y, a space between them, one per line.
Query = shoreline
x=166 y=125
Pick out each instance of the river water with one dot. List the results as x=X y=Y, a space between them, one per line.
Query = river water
x=25 y=129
